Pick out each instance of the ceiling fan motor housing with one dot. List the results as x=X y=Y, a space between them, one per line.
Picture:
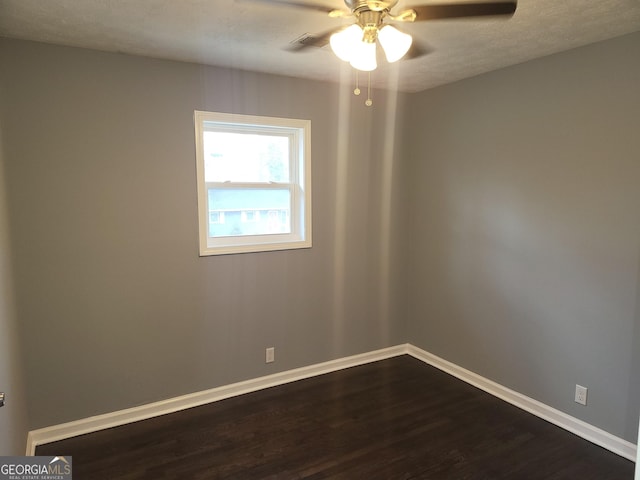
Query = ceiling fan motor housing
x=373 y=5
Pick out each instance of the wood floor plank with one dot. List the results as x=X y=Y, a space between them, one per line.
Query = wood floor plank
x=394 y=419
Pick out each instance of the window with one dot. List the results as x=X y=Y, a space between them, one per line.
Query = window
x=254 y=183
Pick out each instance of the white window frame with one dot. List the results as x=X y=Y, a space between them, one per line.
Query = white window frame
x=299 y=134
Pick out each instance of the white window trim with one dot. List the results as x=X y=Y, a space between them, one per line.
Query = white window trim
x=299 y=132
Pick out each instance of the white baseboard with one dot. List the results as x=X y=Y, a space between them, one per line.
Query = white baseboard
x=582 y=429
x=100 y=422
x=143 y=412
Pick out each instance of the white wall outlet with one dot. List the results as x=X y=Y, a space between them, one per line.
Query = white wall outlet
x=581 y=394
x=270 y=355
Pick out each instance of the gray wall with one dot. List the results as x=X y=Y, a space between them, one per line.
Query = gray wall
x=116 y=306
x=525 y=202
x=507 y=240
x=13 y=416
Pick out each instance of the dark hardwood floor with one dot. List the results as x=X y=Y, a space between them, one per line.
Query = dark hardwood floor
x=393 y=419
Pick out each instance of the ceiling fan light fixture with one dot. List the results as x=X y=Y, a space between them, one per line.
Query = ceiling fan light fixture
x=394 y=43
x=344 y=43
x=364 y=56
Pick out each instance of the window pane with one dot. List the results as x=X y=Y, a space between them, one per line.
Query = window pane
x=248 y=211
x=254 y=183
x=243 y=157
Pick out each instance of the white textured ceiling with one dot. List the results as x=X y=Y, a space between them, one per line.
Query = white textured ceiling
x=253 y=36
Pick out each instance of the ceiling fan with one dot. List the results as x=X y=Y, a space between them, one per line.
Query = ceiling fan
x=357 y=42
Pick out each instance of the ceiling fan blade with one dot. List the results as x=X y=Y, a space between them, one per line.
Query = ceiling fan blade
x=462 y=10
x=292 y=3
x=317 y=40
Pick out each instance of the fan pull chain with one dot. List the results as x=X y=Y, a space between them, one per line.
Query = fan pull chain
x=369 y=102
x=356 y=91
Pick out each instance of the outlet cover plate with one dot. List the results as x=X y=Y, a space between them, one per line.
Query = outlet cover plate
x=270 y=355
x=581 y=395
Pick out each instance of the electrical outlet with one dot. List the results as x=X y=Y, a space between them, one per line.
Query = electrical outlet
x=270 y=355
x=581 y=395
